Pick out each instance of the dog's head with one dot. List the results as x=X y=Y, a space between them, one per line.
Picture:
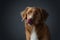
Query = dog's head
x=33 y=15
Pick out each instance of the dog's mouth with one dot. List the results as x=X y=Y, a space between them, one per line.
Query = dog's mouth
x=30 y=21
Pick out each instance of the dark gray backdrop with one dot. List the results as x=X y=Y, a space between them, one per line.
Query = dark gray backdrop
x=11 y=27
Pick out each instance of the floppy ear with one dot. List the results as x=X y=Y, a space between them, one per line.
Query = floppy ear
x=44 y=14
x=24 y=14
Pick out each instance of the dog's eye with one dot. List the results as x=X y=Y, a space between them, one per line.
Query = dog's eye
x=28 y=13
x=35 y=13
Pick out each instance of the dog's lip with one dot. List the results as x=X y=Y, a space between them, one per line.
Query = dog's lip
x=29 y=21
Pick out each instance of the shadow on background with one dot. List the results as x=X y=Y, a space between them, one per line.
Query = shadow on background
x=11 y=26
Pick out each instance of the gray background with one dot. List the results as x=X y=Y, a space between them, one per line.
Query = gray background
x=11 y=27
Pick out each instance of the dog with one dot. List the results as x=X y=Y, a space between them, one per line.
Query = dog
x=35 y=26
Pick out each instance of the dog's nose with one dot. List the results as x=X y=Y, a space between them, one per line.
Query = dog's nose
x=29 y=16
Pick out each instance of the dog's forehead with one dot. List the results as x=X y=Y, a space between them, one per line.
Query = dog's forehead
x=30 y=10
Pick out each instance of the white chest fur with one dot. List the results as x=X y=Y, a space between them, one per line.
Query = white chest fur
x=33 y=34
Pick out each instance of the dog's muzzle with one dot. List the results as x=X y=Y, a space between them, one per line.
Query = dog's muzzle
x=30 y=21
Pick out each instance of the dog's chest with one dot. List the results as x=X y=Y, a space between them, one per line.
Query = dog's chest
x=34 y=35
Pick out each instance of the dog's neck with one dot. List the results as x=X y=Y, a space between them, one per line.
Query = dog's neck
x=34 y=30
x=33 y=34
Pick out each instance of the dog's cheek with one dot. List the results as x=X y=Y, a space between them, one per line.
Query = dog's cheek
x=25 y=17
x=36 y=21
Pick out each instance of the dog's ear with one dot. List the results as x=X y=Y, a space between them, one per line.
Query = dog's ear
x=24 y=14
x=44 y=14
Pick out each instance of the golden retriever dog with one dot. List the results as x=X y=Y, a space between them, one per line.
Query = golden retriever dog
x=35 y=26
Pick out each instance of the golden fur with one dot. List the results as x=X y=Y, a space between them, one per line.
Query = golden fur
x=39 y=18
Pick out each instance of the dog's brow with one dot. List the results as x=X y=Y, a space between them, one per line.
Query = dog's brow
x=28 y=10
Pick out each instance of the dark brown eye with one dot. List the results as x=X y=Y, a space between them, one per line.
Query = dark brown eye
x=36 y=13
x=28 y=13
